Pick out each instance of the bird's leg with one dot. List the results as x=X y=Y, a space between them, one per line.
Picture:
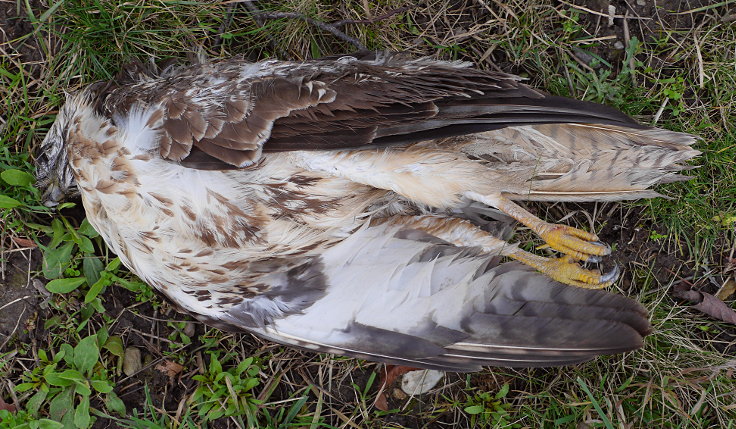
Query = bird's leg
x=463 y=233
x=573 y=242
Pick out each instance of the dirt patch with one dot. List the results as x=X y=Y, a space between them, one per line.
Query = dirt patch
x=19 y=297
x=616 y=22
x=16 y=38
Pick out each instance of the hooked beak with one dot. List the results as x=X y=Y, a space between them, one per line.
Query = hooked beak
x=53 y=195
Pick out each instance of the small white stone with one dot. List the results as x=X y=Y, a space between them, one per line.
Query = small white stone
x=618 y=45
x=611 y=13
x=132 y=361
x=417 y=382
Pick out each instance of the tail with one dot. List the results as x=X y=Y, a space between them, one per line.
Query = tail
x=587 y=162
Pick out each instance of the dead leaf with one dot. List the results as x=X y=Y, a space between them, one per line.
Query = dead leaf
x=5 y=406
x=708 y=304
x=727 y=289
x=171 y=369
x=389 y=374
x=24 y=242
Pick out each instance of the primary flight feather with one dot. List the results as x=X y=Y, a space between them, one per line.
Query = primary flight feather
x=346 y=205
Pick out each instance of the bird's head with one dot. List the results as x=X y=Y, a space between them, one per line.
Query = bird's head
x=54 y=176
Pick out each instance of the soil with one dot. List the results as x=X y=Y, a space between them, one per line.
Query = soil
x=14 y=27
x=20 y=297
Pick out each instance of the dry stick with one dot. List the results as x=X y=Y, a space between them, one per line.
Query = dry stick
x=604 y=15
x=319 y=24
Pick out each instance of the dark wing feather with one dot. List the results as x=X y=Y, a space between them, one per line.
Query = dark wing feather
x=233 y=110
x=406 y=297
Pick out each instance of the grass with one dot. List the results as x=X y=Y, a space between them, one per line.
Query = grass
x=673 y=70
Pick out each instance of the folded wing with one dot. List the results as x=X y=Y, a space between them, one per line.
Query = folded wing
x=405 y=297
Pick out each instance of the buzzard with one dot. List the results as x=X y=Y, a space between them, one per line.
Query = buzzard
x=358 y=205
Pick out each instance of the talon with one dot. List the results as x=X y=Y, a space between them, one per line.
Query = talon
x=612 y=275
x=579 y=244
x=566 y=270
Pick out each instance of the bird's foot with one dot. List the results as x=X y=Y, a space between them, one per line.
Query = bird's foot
x=566 y=270
x=573 y=242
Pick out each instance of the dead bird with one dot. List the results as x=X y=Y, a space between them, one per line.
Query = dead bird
x=343 y=205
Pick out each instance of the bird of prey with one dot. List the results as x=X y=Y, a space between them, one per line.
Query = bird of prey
x=345 y=204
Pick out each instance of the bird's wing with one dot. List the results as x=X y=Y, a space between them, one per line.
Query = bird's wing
x=405 y=297
x=225 y=114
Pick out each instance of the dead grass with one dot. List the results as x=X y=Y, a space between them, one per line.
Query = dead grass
x=675 y=69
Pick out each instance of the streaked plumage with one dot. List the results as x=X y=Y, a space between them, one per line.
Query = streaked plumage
x=337 y=204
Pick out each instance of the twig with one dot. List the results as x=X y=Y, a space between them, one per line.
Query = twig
x=319 y=24
x=605 y=15
x=699 y=55
x=704 y=8
x=659 y=111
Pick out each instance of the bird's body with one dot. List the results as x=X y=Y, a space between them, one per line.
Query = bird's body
x=308 y=203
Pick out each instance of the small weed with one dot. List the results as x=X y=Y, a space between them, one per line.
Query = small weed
x=227 y=392
x=65 y=383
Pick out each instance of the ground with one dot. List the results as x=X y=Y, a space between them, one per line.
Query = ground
x=109 y=352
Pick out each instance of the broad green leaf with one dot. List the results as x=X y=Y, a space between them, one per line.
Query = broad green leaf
x=114 y=403
x=24 y=387
x=34 y=404
x=59 y=231
x=91 y=267
x=49 y=424
x=65 y=285
x=62 y=402
x=474 y=409
x=96 y=304
x=95 y=290
x=15 y=177
x=8 y=203
x=86 y=354
x=72 y=375
x=67 y=352
x=101 y=386
x=503 y=392
x=84 y=243
x=114 y=345
x=82 y=389
x=251 y=383
x=81 y=415
x=55 y=261
x=87 y=229
x=113 y=265
x=68 y=419
x=54 y=379
x=102 y=335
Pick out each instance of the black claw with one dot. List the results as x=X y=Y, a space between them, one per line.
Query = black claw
x=612 y=275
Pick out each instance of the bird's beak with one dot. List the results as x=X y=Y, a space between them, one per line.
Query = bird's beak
x=53 y=194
